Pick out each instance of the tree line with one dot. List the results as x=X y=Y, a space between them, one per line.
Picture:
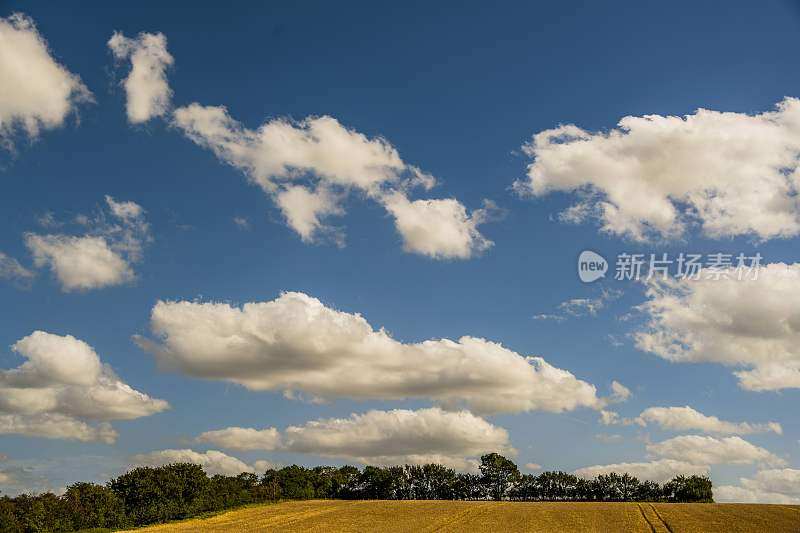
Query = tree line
x=149 y=495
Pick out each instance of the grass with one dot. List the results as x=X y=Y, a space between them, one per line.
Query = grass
x=344 y=516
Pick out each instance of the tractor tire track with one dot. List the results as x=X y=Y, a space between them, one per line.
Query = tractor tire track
x=653 y=519
x=661 y=519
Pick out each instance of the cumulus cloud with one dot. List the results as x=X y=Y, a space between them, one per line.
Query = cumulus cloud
x=11 y=270
x=79 y=263
x=295 y=343
x=282 y=150
x=57 y=426
x=659 y=471
x=653 y=176
x=101 y=258
x=309 y=166
x=63 y=384
x=687 y=419
x=440 y=229
x=38 y=92
x=698 y=449
x=399 y=436
x=738 y=494
x=746 y=323
x=608 y=418
x=619 y=392
x=212 y=461
x=146 y=86
x=239 y=438
x=768 y=486
x=305 y=209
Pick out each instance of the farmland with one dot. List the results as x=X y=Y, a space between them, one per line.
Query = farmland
x=341 y=516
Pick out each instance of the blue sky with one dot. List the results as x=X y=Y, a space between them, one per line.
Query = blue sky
x=456 y=90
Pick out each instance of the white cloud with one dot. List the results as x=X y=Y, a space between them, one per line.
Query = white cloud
x=734 y=494
x=309 y=166
x=660 y=471
x=687 y=419
x=126 y=211
x=614 y=340
x=262 y=465
x=608 y=438
x=79 y=263
x=768 y=486
x=398 y=436
x=304 y=209
x=733 y=173
x=146 y=86
x=549 y=316
x=619 y=392
x=56 y=426
x=239 y=438
x=241 y=223
x=281 y=150
x=38 y=93
x=533 y=466
x=698 y=449
x=786 y=481
x=441 y=228
x=212 y=461
x=295 y=343
x=101 y=258
x=61 y=384
x=750 y=323
x=589 y=306
x=609 y=418
x=577 y=307
x=12 y=270
x=48 y=220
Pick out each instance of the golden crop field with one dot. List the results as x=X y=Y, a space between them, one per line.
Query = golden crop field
x=385 y=516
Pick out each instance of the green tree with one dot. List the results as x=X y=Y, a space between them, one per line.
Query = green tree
x=164 y=493
x=94 y=506
x=498 y=474
x=8 y=516
x=376 y=483
x=685 y=489
x=296 y=482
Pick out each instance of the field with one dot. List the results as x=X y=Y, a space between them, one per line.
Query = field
x=340 y=516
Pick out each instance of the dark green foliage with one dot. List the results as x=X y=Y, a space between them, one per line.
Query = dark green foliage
x=149 y=495
x=689 y=489
x=225 y=492
x=45 y=512
x=160 y=494
x=498 y=475
x=8 y=516
x=94 y=506
x=296 y=482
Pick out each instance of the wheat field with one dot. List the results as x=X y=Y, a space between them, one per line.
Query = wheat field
x=401 y=516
